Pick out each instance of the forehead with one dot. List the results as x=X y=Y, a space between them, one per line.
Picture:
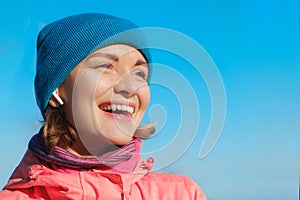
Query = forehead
x=118 y=50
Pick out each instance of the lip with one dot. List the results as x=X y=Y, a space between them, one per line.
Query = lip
x=115 y=115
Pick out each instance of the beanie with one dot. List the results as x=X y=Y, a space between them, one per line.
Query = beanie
x=63 y=44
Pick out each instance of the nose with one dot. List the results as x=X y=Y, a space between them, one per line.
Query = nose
x=127 y=86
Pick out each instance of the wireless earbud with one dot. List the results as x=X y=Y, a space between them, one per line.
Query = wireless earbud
x=59 y=100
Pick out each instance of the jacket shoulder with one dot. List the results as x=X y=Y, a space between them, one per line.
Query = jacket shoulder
x=22 y=194
x=29 y=159
x=171 y=186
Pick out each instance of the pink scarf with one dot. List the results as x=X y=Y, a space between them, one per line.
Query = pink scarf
x=122 y=160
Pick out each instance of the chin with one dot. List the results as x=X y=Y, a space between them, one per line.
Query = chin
x=121 y=140
x=118 y=132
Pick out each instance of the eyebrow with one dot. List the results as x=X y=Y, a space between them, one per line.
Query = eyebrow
x=110 y=56
x=114 y=57
x=140 y=62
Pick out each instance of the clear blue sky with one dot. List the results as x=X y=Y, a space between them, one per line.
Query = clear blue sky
x=255 y=45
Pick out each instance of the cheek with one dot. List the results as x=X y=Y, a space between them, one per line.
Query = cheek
x=144 y=97
x=103 y=85
x=85 y=84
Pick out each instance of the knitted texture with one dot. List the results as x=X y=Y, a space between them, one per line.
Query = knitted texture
x=63 y=44
x=62 y=158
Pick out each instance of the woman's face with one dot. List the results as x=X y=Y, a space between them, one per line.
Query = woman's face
x=106 y=95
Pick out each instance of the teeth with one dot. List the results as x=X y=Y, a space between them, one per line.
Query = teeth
x=115 y=107
x=119 y=107
x=130 y=109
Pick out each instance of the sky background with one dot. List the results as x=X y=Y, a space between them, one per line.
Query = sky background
x=254 y=44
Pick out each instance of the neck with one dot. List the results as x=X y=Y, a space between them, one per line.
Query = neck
x=79 y=149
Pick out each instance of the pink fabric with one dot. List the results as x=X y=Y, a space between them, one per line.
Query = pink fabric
x=61 y=158
x=32 y=180
x=123 y=167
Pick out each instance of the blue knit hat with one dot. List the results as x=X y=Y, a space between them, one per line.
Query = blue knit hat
x=63 y=44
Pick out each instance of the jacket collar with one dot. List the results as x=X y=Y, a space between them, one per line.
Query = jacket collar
x=31 y=172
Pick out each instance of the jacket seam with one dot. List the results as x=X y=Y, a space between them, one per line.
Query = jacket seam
x=81 y=185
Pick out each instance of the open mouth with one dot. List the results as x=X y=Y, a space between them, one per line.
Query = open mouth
x=118 y=109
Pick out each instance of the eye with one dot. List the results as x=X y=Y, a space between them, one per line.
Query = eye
x=105 y=66
x=141 y=74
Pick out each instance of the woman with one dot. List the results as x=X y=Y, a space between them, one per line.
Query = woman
x=91 y=87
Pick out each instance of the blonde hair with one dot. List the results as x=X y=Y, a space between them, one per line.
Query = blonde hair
x=58 y=131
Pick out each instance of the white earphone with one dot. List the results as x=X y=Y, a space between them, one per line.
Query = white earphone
x=59 y=100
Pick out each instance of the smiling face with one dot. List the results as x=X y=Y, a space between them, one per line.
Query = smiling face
x=106 y=95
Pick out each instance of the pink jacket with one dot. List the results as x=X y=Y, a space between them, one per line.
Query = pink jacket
x=32 y=180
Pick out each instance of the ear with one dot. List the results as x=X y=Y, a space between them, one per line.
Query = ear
x=55 y=101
